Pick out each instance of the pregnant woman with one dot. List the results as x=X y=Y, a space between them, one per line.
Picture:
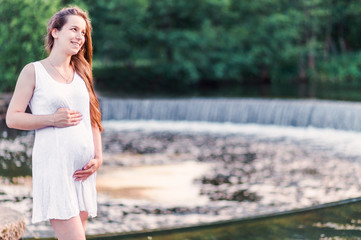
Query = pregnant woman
x=66 y=116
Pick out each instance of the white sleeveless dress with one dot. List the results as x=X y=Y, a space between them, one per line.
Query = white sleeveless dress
x=59 y=152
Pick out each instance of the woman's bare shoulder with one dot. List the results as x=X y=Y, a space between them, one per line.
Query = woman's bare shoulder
x=27 y=75
x=28 y=70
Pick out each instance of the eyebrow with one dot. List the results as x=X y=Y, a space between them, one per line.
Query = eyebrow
x=77 y=27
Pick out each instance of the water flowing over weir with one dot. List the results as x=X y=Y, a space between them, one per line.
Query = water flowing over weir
x=298 y=113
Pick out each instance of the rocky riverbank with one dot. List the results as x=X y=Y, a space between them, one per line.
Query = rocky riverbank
x=225 y=176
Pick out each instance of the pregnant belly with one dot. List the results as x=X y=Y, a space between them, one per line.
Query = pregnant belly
x=77 y=144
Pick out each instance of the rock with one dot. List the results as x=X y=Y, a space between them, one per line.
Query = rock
x=12 y=224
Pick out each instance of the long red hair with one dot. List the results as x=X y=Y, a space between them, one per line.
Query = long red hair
x=82 y=61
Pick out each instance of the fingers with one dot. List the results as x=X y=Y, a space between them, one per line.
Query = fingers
x=90 y=168
x=83 y=174
x=65 y=117
x=74 y=117
x=72 y=114
x=89 y=165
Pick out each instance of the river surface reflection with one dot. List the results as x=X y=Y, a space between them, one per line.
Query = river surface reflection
x=337 y=221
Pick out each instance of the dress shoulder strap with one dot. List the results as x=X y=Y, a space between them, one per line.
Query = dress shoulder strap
x=40 y=74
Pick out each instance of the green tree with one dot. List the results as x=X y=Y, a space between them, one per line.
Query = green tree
x=22 y=28
x=180 y=44
x=118 y=29
x=340 y=61
x=185 y=39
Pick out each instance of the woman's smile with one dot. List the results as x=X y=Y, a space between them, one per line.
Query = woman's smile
x=76 y=44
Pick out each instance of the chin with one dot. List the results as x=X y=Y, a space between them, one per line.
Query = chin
x=74 y=52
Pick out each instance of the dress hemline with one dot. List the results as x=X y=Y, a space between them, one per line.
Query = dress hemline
x=91 y=214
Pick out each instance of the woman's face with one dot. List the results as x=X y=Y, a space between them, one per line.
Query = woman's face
x=72 y=36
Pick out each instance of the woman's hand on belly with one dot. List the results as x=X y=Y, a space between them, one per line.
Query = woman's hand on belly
x=90 y=168
x=64 y=117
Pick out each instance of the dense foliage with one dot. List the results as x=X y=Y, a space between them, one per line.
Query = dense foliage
x=172 y=44
x=22 y=29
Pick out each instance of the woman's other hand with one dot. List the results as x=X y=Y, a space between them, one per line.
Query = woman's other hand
x=90 y=168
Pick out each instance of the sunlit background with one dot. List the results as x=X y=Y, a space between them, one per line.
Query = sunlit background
x=214 y=110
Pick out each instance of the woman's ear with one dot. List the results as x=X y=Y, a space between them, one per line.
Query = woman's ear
x=54 y=33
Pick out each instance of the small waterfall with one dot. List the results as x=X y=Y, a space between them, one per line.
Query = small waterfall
x=299 y=113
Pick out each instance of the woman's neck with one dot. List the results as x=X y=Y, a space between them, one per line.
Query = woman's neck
x=59 y=60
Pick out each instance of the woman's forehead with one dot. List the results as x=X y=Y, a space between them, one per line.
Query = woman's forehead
x=77 y=21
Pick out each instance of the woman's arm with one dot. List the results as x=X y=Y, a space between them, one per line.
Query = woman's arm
x=97 y=138
x=93 y=165
x=16 y=117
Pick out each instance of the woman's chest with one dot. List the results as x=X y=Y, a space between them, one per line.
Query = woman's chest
x=55 y=95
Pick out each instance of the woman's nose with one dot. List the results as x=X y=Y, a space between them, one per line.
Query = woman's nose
x=79 y=36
